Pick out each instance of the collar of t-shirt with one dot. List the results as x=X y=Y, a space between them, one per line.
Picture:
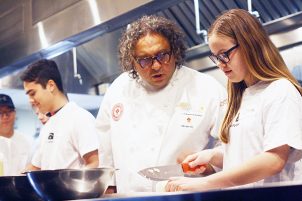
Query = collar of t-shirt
x=49 y=114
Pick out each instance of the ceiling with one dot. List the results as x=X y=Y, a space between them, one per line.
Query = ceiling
x=68 y=24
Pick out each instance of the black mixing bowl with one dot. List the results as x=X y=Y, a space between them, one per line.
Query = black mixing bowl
x=17 y=188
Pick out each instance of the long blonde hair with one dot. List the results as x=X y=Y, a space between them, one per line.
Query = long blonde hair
x=261 y=56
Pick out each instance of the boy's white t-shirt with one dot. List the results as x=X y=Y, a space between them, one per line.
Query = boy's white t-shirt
x=66 y=138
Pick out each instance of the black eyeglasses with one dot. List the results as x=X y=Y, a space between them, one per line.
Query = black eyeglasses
x=223 y=57
x=162 y=58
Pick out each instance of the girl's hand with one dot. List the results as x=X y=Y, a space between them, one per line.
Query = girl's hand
x=186 y=184
x=201 y=159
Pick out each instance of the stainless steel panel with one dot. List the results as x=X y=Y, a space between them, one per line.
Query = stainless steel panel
x=42 y=9
x=51 y=37
x=12 y=24
x=8 y=5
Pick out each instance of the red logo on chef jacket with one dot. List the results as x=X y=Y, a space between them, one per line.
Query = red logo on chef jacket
x=117 y=111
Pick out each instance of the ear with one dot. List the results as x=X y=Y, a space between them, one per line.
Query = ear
x=51 y=86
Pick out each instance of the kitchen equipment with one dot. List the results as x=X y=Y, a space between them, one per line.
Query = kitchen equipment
x=161 y=173
x=17 y=188
x=69 y=184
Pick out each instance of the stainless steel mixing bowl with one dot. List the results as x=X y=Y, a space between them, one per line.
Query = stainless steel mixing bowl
x=68 y=184
x=17 y=188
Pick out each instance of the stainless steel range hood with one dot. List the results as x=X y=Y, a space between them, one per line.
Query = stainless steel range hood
x=27 y=34
x=35 y=29
x=58 y=33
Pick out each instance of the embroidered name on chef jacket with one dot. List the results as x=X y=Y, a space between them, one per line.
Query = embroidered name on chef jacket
x=50 y=137
x=187 y=123
x=188 y=116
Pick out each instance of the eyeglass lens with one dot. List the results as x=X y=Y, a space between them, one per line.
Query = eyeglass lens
x=219 y=58
x=162 y=58
x=223 y=57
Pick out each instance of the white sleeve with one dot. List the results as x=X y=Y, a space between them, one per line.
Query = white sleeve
x=282 y=118
x=87 y=139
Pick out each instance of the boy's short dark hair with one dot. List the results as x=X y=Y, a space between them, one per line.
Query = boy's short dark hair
x=41 y=72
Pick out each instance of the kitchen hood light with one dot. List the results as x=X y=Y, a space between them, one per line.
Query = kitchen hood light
x=42 y=36
x=95 y=12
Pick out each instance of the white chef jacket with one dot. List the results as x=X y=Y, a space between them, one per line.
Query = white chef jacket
x=16 y=152
x=270 y=116
x=66 y=138
x=141 y=129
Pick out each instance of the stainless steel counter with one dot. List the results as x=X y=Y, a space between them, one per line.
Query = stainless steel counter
x=275 y=193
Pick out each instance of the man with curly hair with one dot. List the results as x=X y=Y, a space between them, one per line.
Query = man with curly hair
x=157 y=111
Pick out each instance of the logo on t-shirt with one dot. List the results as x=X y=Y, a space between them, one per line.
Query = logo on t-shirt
x=236 y=122
x=51 y=136
x=117 y=111
x=237 y=118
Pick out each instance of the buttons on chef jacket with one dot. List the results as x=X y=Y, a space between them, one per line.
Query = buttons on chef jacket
x=153 y=148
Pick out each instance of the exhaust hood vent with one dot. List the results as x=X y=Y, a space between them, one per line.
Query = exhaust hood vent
x=94 y=27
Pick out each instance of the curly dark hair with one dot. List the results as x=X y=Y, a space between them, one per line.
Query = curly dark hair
x=143 y=26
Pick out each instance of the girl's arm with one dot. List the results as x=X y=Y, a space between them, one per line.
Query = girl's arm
x=257 y=168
